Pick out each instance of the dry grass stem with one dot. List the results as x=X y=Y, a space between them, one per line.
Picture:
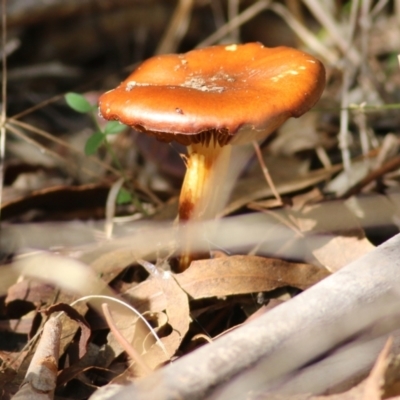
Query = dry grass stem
x=326 y=20
x=266 y=174
x=177 y=28
x=61 y=142
x=110 y=207
x=233 y=12
x=236 y=22
x=308 y=37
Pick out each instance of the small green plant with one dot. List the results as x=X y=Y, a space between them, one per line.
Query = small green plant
x=79 y=104
x=99 y=138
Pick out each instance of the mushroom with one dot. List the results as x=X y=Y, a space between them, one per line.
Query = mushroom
x=210 y=99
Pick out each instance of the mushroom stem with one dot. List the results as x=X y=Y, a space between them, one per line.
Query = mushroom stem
x=203 y=193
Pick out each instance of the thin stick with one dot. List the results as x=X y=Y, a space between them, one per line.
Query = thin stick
x=41 y=376
x=266 y=172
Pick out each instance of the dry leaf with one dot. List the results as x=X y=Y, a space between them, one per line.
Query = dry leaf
x=178 y=312
x=58 y=201
x=298 y=134
x=147 y=296
x=30 y=291
x=344 y=241
x=76 y=316
x=130 y=327
x=157 y=294
x=75 y=370
x=226 y=276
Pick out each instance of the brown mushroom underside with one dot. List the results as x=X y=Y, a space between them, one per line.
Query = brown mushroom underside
x=216 y=92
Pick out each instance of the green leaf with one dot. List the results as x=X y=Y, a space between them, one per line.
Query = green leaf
x=94 y=142
x=124 y=196
x=78 y=103
x=113 y=127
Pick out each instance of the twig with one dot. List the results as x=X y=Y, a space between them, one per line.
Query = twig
x=41 y=376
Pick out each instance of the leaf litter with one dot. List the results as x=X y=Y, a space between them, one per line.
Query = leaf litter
x=165 y=293
x=180 y=297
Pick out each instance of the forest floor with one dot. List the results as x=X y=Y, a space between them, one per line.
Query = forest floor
x=295 y=294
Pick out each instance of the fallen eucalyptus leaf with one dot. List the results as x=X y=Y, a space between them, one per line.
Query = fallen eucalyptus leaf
x=240 y=274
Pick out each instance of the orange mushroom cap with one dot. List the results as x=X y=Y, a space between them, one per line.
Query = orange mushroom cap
x=217 y=92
